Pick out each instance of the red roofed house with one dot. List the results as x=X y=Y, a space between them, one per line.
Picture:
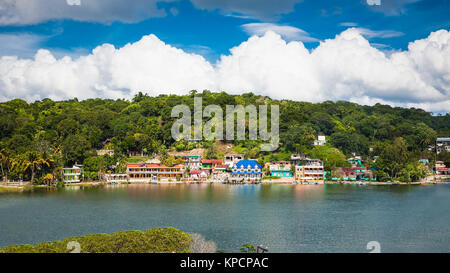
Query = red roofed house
x=210 y=164
x=199 y=175
x=144 y=172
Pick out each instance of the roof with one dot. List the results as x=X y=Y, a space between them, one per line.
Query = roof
x=195 y=152
x=213 y=161
x=247 y=163
x=194 y=172
x=443 y=139
x=74 y=167
x=136 y=165
x=280 y=162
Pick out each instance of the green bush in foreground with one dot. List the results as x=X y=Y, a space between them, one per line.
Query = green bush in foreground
x=157 y=240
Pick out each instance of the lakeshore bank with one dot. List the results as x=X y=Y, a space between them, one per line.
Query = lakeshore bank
x=5 y=188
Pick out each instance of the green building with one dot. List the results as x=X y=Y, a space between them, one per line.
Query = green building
x=72 y=175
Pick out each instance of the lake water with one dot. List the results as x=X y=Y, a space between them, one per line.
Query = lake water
x=284 y=218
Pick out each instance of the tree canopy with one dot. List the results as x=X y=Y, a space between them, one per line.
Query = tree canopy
x=66 y=132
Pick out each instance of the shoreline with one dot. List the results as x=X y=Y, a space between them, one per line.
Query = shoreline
x=23 y=188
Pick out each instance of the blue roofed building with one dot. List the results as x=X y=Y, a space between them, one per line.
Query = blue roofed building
x=249 y=170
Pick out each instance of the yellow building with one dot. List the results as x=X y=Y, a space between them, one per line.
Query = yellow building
x=310 y=172
x=142 y=172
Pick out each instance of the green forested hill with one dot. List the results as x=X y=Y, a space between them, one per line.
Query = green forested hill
x=56 y=133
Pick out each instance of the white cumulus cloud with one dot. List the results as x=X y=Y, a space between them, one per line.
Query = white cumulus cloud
x=346 y=67
x=147 y=65
x=287 y=32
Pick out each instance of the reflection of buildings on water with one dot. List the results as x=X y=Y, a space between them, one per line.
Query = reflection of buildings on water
x=177 y=192
x=309 y=192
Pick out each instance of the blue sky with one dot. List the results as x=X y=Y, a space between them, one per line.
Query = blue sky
x=211 y=30
x=395 y=53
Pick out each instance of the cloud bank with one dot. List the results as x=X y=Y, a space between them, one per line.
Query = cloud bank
x=25 y=12
x=346 y=67
x=267 y=9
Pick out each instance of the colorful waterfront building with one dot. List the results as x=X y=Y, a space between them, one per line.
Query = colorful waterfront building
x=441 y=169
x=72 y=175
x=210 y=164
x=231 y=159
x=220 y=172
x=355 y=161
x=359 y=173
x=280 y=169
x=424 y=160
x=248 y=170
x=198 y=175
x=194 y=162
x=311 y=171
x=144 y=172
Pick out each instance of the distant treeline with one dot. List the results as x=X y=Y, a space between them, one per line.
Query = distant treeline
x=37 y=139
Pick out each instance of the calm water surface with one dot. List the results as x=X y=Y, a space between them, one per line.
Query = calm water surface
x=285 y=218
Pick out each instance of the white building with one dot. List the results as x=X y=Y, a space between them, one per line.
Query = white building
x=116 y=177
x=194 y=162
x=232 y=159
x=320 y=141
x=72 y=175
x=442 y=143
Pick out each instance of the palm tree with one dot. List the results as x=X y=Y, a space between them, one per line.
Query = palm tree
x=4 y=160
x=30 y=162
x=34 y=161
x=46 y=159
x=18 y=165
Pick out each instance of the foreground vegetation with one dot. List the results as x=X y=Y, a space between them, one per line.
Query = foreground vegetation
x=156 y=240
x=38 y=139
